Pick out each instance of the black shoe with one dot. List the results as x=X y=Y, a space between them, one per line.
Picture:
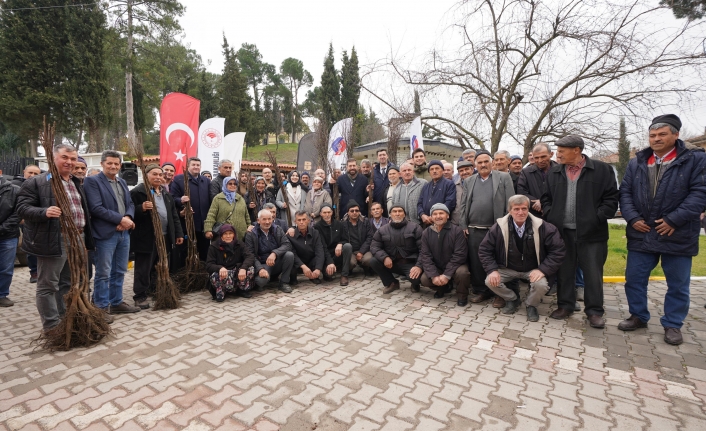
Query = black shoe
x=462 y=302
x=32 y=277
x=561 y=314
x=532 y=314
x=551 y=291
x=293 y=282
x=417 y=287
x=284 y=287
x=144 y=304
x=316 y=280
x=439 y=293
x=123 y=308
x=511 y=306
x=327 y=277
x=244 y=293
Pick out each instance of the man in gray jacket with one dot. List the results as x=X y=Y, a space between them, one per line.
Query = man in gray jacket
x=486 y=194
x=408 y=191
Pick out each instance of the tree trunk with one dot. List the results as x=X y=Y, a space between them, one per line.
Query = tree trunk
x=93 y=136
x=129 y=108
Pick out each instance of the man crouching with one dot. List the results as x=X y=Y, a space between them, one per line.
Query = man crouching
x=523 y=246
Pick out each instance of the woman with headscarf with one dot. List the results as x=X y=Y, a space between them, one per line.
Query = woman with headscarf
x=262 y=196
x=316 y=198
x=230 y=264
x=295 y=194
x=228 y=207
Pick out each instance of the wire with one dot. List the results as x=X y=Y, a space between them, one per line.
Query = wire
x=48 y=7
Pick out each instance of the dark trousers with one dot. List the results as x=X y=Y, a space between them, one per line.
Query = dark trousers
x=399 y=266
x=475 y=237
x=591 y=256
x=32 y=263
x=145 y=272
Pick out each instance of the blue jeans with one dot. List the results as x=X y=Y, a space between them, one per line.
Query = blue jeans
x=8 y=249
x=32 y=263
x=110 y=259
x=677 y=270
x=579 y=277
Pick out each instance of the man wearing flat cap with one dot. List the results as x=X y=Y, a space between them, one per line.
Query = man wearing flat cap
x=443 y=256
x=395 y=248
x=661 y=198
x=439 y=190
x=580 y=196
x=465 y=170
x=485 y=200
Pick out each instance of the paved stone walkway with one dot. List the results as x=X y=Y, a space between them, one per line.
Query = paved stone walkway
x=333 y=358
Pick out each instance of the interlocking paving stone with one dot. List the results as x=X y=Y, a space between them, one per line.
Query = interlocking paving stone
x=328 y=357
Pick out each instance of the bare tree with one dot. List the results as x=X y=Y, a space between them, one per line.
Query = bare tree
x=394 y=133
x=530 y=70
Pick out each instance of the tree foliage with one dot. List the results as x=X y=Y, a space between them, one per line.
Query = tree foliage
x=350 y=84
x=689 y=9
x=330 y=97
x=234 y=98
x=623 y=150
x=294 y=76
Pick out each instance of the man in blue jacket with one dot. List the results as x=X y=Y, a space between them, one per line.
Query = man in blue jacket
x=199 y=189
x=437 y=191
x=661 y=197
x=112 y=212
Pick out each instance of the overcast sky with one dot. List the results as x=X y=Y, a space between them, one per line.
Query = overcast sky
x=303 y=29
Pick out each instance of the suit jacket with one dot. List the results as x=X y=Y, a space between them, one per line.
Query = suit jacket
x=199 y=188
x=103 y=205
x=502 y=191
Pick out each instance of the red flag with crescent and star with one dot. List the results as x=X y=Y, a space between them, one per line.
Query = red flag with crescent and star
x=179 y=123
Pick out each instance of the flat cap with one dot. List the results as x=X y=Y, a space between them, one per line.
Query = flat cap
x=570 y=141
x=481 y=152
x=464 y=164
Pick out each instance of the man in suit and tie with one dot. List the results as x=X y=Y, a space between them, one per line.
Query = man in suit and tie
x=112 y=212
x=485 y=200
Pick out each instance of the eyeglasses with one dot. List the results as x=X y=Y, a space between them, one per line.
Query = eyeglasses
x=354 y=211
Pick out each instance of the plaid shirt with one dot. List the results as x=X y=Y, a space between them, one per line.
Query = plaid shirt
x=75 y=202
x=573 y=172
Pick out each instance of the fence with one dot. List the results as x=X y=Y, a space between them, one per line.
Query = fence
x=12 y=163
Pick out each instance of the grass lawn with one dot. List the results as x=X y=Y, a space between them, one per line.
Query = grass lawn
x=286 y=153
x=618 y=253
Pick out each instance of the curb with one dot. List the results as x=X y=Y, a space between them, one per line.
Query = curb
x=621 y=279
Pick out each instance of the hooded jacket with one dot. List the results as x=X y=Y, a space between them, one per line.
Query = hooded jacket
x=679 y=200
x=548 y=246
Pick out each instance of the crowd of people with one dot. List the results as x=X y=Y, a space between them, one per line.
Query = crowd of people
x=477 y=231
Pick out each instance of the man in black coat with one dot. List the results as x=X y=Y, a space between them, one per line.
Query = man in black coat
x=533 y=178
x=338 y=252
x=581 y=194
x=199 y=188
x=353 y=186
x=309 y=252
x=225 y=170
x=142 y=238
x=444 y=255
x=9 y=234
x=395 y=248
x=272 y=250
x=36 y=205
x=521 y=246
x=356 y=234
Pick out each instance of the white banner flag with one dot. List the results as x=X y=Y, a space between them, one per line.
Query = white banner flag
x=233 y=149
x=211 y=144
x=337 y=144
x=415 y=135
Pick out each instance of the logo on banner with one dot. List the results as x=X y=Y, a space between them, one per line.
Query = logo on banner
x=211 y=138
x=338 y=146
x=415 y=142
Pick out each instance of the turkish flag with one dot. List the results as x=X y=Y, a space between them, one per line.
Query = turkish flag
x=179 y=123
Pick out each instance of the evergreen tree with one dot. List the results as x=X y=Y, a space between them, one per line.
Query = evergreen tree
x=623 y=151
x=294 y=76
x=350 y=85
x=234 y=97
x=689 y=9
x=330 y=91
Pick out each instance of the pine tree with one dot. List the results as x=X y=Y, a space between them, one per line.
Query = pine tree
x=350 y=85
x=330 y=91
x=623 y=151
x=234 y=98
